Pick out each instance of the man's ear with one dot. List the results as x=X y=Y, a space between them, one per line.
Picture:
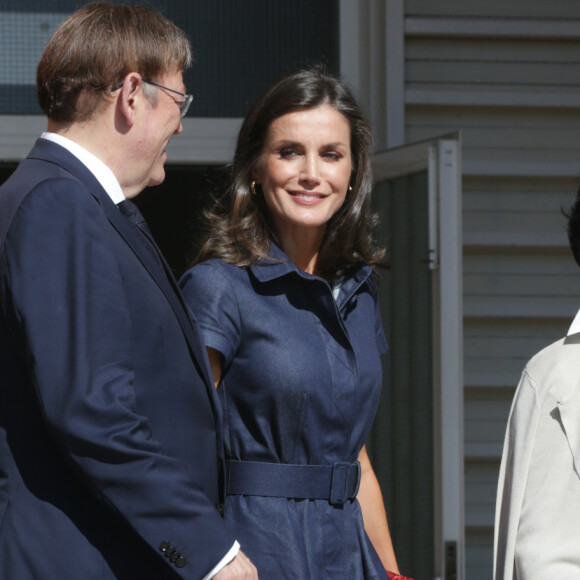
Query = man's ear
x=131 y=94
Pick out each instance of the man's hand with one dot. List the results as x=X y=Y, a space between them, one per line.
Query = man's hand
x=240 y=568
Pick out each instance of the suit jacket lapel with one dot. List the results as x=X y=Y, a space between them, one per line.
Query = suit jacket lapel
x=166 y=283
x=54 y=153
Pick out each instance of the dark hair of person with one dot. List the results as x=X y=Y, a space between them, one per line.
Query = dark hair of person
x=573 y=215
x=96 y=47
x=239 y=230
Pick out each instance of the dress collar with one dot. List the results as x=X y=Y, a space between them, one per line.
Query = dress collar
x=278 y=265
x=275 y=266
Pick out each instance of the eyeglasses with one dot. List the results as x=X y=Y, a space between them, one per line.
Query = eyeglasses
x=183 y=105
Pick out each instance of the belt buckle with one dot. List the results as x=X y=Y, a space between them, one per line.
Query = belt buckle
x=344 y=483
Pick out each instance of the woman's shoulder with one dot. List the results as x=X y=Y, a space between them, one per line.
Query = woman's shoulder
x=217 y=266
x=212 y=273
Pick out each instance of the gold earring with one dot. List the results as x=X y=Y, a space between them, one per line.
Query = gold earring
x=253 y=188
x=350 y=189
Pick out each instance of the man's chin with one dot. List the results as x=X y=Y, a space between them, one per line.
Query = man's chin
x=157 y=179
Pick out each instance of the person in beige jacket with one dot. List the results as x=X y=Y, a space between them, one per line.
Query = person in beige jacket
x=537 y=522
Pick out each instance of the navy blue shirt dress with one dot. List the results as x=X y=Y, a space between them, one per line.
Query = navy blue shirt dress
x=300 y=384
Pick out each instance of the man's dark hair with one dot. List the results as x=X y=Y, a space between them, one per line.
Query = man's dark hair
x=573 y=215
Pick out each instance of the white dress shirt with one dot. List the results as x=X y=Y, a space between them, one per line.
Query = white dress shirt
x=101 y=171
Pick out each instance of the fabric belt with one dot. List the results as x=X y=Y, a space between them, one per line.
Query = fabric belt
x=335 y=483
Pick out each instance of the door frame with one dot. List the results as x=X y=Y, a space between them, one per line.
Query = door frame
x=441 y=158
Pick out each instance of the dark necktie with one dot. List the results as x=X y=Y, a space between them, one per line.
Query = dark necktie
x=136 y=219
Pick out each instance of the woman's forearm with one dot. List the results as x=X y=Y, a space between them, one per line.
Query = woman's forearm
x=374 y=514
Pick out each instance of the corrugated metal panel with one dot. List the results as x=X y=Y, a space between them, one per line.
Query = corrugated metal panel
x=480 y=489
x=550 y=9
x=509 y=141
x=496 y=349
x=506 y=75
x=486 y=411
x=521 y=288
x=477 y=555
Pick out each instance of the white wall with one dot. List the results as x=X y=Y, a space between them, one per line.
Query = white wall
x=507 y=75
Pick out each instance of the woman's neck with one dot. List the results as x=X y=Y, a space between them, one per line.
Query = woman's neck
x=302 y=248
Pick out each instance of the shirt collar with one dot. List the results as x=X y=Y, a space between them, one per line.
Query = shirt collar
x=575 y=326
x=102 y=172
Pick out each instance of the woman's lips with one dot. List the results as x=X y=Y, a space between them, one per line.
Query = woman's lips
x=307 y=197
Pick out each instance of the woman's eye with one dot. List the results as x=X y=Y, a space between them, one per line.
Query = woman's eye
x=332 y=155
x=287 y=152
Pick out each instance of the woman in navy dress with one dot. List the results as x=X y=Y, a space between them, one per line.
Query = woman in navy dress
x=284 y=293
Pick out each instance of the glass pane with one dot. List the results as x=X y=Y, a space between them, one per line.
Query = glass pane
x=239 y=47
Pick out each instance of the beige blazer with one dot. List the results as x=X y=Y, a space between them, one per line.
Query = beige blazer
x=537 y=523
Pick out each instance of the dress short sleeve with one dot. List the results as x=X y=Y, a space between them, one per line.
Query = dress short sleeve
x=210 y=296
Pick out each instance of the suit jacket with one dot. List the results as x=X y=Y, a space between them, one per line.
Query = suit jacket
x=110 y=451
x=537 y=534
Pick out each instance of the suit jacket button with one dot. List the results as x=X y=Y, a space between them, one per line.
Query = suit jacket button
x=180 y=562
x=174 y=556
x=164 y=545
x=220 y=509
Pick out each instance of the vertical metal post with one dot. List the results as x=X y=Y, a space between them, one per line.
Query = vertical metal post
x=450 y=532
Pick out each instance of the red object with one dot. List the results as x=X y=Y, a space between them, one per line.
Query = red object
x=393 y=576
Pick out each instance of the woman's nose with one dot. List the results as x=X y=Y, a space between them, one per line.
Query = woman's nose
x=310 y=171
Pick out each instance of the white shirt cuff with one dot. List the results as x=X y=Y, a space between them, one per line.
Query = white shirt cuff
x=224 y=561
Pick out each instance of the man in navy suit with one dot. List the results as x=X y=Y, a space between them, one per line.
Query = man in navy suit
x=110 y=449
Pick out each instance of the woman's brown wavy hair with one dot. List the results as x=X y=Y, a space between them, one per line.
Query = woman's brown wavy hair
x=239 y=230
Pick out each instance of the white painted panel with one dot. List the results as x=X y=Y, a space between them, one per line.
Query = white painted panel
x=488 y=96
x=456 y=73
x=498 y=50
x=502 y=118
x=499 y=142
x=511 y=222
x=491 y=28
x=202 y=140
x=497 y=349
x=508 y=263
x=522 y=137
x=481 y=486
x=549 y=9
x=486 y=413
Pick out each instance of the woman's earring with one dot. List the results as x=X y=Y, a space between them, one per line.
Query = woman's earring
x=253 y=188
x=350 y=189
